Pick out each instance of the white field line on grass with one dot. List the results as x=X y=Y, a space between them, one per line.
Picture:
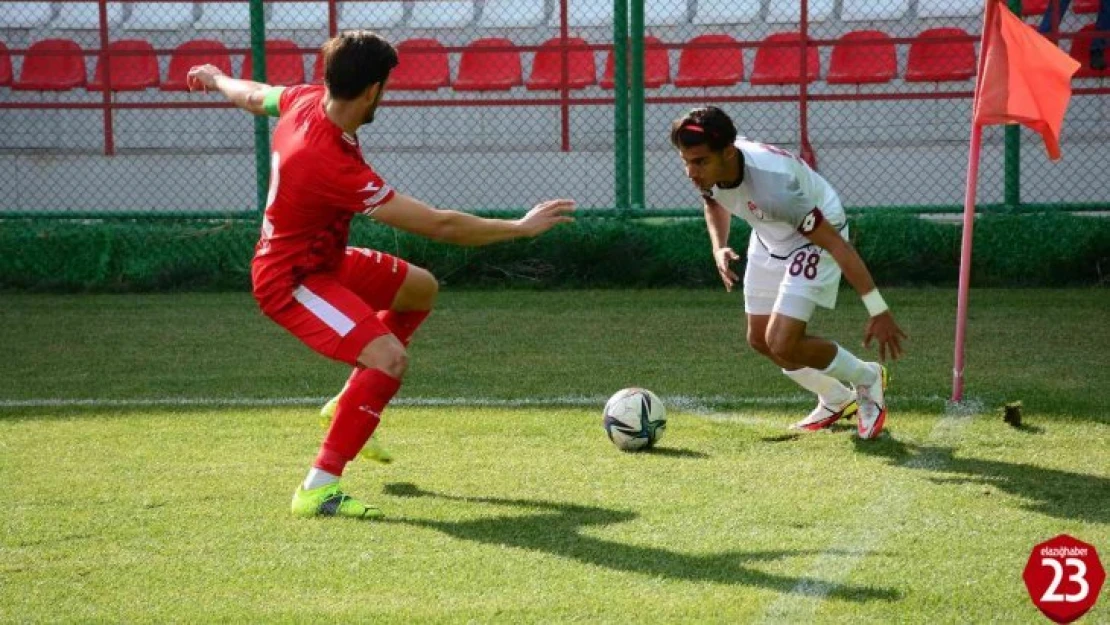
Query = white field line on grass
x=688 y=403
x=858 y=540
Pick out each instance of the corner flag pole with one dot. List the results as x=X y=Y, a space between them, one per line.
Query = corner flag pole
x=1023 y=79
x=969 y=213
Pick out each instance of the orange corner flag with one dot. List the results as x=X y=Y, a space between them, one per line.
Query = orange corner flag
x=1025 y=78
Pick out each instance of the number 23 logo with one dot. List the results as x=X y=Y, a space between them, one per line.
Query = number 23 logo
x=1080 y=578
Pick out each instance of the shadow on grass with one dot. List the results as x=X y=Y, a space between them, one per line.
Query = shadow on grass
x=794 y=434
x=671 y=452
x=555 y=528
x=1052 y=492
x=782 y=438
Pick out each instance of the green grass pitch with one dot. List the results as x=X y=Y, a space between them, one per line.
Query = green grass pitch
x=507 y=503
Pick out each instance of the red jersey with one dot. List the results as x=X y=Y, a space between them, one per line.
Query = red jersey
x=318 y=181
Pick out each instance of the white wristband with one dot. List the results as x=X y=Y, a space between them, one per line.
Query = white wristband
x=875 y=303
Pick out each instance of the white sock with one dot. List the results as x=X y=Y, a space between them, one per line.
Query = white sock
x=828 y=389
x=847 y=368
x=317 y=478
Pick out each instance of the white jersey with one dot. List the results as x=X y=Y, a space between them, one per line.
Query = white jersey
x=780 y=197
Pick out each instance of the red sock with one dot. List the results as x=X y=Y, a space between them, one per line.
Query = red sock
x=403 y=323
x=357 y=416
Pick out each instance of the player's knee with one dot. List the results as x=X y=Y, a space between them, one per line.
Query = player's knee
x=759 y=343
x=418 y=292
x=394 y=362
x=425 y=287
x=387 y=354
x=430 y=288
x=781 y=345
x=397 y=364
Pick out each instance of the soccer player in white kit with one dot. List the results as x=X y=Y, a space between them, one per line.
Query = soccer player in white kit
x=797 y=251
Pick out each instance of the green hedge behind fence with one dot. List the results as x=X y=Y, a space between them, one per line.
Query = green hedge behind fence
x=144 y=255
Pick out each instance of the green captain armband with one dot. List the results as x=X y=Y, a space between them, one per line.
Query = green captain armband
x=272 y=100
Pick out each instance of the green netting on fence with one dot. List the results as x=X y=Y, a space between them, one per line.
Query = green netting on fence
x=1010 y=250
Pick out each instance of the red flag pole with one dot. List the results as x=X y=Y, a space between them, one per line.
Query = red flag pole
x=969 y=209
x=965 y=261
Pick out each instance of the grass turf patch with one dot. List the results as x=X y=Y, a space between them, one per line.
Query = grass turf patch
x=528 y=515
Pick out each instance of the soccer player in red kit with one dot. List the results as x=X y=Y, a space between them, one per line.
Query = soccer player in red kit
x=358 y=306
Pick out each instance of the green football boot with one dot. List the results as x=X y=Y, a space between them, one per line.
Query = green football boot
x=330 y=501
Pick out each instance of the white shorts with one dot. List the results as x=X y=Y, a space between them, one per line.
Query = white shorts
x=794 y=285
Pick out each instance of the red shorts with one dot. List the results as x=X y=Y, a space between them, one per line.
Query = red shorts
x=333 y=313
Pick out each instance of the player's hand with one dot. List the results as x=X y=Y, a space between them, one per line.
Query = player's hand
x=724 y=257
x=202 y=77
x=883 y=329
x=545 y=216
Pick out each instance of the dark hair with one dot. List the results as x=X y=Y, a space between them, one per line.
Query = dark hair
x=707 y=125
x=354 y=60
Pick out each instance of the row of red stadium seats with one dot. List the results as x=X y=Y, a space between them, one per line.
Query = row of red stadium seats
x=385 y=14
x=494 y=64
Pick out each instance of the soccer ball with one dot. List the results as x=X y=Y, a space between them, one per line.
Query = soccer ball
x=634 y=419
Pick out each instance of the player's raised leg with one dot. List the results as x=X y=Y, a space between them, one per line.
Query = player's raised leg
x=402 y=293
x=787 y=339
x=412 y=306
x=373 y=449
x=372 y=276
x=834 y=400
x=336 y=323
x=382 y=366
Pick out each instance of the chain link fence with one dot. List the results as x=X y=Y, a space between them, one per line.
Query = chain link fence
x=880 y=101
x=500 y=103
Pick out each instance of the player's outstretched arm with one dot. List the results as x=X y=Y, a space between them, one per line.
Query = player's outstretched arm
x=412 y=215
x=246 y=94
x=881 y=326
x=719 y=221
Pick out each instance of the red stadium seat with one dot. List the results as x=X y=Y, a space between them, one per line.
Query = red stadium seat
x=1034 y=7
x=422 y=66
x=710 y=61
x=5 y=66
x=1081 y=51
x=657 y=65
x=52 y=65
x=195 y=52
x=284 y=63
x=941 y=61
x=856 y=63
x=1038 y=7
x=489 y=64
x=133 y=66
x=547 y=68
x=777 y=64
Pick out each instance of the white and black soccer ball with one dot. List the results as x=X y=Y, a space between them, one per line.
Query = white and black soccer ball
x=634 y=419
